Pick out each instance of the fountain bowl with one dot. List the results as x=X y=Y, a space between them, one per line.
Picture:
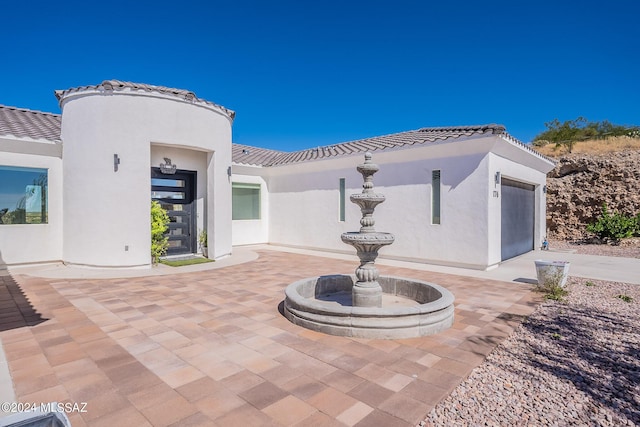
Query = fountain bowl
x=411 y=308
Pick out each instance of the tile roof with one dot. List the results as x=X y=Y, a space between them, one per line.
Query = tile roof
x=262 y=157
x=117 y=85
x=248 y=155
x=21 y=123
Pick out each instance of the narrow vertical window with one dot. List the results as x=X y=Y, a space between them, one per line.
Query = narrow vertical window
x=342 y=199
x=435 y=197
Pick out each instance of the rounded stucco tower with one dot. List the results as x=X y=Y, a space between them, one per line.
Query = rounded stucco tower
x=124 y=143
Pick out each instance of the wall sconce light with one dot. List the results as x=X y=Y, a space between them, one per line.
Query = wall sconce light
x=497 y=178
x=544 y=189
x=229 y=171
x=116 y=162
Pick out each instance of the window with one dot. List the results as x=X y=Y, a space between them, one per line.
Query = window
x=435 y=197
x=342 y=200
x=245 y=201
x=167 y=182
x=23 y=195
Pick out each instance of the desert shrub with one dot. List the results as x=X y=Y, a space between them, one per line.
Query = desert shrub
x=567 y=133
x=159 y=225
x=615 y=226
x=625 y=298
x=551 y=284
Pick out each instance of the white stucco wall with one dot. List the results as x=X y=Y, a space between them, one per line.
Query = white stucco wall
x=249 y=232
x=106 y=213
x=307 y=195
x=304 y=203
x=34 y=243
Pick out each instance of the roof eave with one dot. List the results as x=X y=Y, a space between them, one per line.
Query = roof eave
x=509 y=138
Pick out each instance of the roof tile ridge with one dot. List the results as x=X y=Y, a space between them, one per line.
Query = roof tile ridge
x=496 y=129
x=109 y=84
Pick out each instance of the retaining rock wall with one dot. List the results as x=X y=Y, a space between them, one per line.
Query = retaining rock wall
x=580 y=183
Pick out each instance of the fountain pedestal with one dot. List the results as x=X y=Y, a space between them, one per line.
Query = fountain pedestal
x=367 y=292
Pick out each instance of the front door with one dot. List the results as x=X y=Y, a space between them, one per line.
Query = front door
x=176 y=194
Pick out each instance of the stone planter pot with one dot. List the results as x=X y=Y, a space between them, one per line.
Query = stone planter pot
x=205 y=251
x=552 y=271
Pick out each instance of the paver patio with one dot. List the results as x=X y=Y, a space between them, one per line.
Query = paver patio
x=212 y=348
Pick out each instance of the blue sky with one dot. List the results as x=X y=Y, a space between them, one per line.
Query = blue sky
x=302 y=74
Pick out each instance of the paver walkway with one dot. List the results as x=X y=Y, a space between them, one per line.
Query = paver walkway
x=211 y=348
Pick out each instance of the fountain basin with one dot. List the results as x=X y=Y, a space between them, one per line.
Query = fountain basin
x=411 y=308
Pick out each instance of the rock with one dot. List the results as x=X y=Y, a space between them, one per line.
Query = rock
x=579 y=185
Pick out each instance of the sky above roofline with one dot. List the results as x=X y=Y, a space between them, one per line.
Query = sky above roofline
x=302 y=74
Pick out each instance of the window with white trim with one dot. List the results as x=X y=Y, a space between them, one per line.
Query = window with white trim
x=245 y=201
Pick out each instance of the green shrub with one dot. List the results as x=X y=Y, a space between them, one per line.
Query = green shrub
x=556 y=293
x=159 y=225
x=202 y=238
x=551 y=285
x=615 y=226
x=625 y=298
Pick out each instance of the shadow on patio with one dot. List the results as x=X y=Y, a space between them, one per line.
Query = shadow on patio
x=15 y=309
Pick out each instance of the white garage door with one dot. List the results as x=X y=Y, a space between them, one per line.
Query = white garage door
x=518 y=214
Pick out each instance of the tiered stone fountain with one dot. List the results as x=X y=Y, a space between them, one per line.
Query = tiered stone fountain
x=367 y=292
x=368 y=305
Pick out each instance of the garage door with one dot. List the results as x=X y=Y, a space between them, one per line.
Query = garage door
x=518 y=213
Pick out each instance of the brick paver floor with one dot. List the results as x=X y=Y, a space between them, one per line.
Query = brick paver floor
x=212 y=348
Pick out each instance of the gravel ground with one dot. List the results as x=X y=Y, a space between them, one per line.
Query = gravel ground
x=575 y=362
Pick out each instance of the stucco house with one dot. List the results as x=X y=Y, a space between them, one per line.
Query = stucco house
x=75 y=187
